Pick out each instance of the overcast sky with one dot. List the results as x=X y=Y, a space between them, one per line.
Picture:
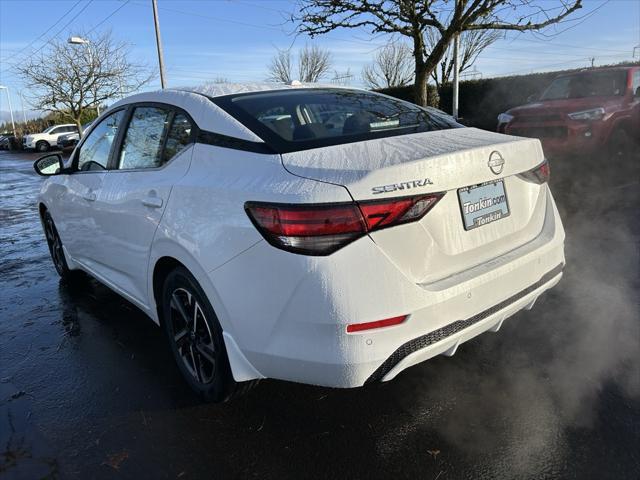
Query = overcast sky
x=236 y=38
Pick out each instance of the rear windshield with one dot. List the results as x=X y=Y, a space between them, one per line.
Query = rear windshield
x=290 y=120
x=588 y=84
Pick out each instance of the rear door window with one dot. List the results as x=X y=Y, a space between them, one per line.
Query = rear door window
x=142 y=144
x=178 y=138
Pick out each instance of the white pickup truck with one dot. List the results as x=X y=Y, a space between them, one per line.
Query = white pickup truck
x=42 y=142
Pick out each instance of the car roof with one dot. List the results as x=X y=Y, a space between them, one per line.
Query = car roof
x=596 y=70
x=222 y=89
x=207 y=115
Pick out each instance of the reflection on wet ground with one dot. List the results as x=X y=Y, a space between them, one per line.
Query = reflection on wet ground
x=88 y=388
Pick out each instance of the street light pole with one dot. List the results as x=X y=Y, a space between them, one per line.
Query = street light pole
x=87 y=44
x=13 y=125
x=24 y=114
x=456 y=75
x=158 y=43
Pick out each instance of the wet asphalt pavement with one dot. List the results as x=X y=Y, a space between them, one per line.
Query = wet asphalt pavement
x=88 y=388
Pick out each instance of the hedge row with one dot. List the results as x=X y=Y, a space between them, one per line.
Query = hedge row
x=407 y=93
x=481 y=101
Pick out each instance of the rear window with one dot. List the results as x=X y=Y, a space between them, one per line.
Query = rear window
x=291 y=120
x=589 y=84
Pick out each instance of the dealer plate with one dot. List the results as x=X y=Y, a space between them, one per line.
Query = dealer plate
x=482 y=204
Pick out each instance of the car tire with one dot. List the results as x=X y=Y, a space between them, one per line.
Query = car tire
x=56 y=249
x=620 y=141
x=195 y=337
x=42 y=146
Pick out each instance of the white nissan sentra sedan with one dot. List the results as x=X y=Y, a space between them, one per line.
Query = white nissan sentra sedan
x=320 y=235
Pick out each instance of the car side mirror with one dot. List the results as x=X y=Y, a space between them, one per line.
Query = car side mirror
x=532 y=98
x=49 y=165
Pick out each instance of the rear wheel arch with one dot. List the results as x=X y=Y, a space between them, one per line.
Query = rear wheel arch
x=169 y=259
x=162 y=268
x=236 y=364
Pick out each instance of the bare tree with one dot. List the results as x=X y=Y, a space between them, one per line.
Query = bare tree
x=71 y=79
x=392 y=67
x=313 y=63
x=280 y=67
x=412 y=18
x=472 y=43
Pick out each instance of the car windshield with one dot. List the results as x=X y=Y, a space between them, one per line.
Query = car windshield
x=587 y=84
x=290 y=120
x=47 y=130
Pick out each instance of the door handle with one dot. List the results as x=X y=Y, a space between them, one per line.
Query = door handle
x=89 y=196
x=153 y=202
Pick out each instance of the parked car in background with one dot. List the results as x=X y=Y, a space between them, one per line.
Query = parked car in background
x=581 y=112
x=5 y=138
x=42 y=142
x=70 y=140
x=268 y=244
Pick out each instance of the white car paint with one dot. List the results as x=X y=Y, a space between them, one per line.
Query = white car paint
x=50 y=135
x=284 y=315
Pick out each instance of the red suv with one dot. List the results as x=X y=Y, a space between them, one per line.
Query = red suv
x=581 y=112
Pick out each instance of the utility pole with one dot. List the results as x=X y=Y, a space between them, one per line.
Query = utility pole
x=158 y=43
x=593 y=59
x=13 y=125
x=456 y=75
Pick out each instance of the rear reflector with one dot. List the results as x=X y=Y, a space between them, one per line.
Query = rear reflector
x=538 y=175
x=321 y=229
x=359 y=327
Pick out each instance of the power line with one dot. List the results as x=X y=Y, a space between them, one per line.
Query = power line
x=580 y=21
x=555 y=44
x=215 y=19
x=65 y=26
x=109 y=16
x=48 y=29
x=76 y=16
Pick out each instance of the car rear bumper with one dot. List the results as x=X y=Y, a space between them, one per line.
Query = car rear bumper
x=288 y=317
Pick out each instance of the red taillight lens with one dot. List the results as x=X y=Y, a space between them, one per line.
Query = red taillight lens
x=359 y=327
x=321 y=229
x=387 y=213
x=538 y=175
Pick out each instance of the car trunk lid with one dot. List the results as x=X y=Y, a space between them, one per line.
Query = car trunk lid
x=440 y=161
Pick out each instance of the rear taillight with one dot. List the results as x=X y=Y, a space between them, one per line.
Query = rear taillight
x=321 y=229
x=538 y=175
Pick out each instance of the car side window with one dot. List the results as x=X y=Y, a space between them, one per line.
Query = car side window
x=142 y=144
x=95 y=150
x=178 y=137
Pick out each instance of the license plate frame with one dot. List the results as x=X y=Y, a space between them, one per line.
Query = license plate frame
x=470 y=200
